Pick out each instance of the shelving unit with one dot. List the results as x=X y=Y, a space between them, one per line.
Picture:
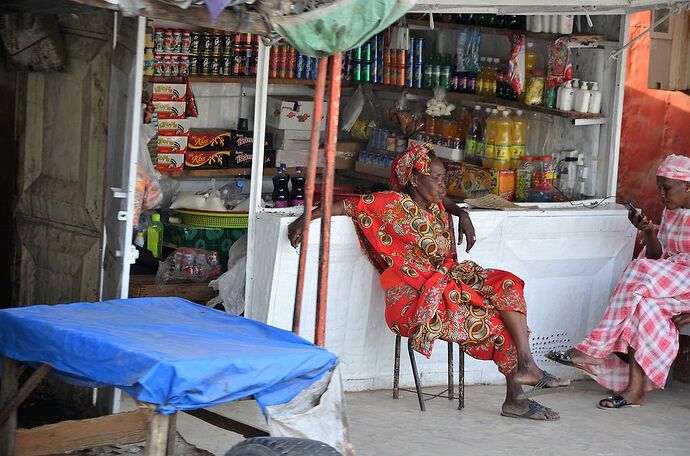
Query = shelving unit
x=228 y=172
x=227 y=80
x=362 y=176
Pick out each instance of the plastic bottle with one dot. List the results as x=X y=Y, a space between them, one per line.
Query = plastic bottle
x=490 y=139
x=475 y=138
x=281 y=194
x=436 y=71
x=530 y=57
x=139 y=239
x=565 y=24
x=504 y=125
x=567 y=98
x=479 y=88
x=297 y=194
x=553 y=23
x=594 y=100
x=494 y=76
x=518 y=139
x=582 y=98
x=537 y=24
x=154 y=236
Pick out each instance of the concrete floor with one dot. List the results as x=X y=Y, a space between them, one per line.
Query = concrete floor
x=384 y=426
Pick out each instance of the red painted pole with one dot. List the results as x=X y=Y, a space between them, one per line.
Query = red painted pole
x=309 y=189
x=327 y=197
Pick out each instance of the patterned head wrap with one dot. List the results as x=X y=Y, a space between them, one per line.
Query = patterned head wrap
x=416 y=158
x=675 y=167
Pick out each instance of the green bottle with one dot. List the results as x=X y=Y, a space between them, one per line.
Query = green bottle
x=154 y=236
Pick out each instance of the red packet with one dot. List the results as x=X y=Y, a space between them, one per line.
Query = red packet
x=192 y=110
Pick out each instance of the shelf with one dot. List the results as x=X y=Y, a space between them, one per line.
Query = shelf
x=576 y=118
x=579 y=39
x=362 y=176
x=227 y=80
x=230 y=172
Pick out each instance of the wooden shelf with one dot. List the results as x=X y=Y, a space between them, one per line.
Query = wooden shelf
x=362 y=176
x=227 y=80
x=231 y=172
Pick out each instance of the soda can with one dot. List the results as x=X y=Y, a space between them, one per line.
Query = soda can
x=273 y=63
x=409 y=80
x=374 y=49
x=168 y=41
x=195 y=45
x=393 y=58
x=207 y=44
x=292 y=60
x=357 y=72
x=177 y=41
x=419 y=51
x=299 y=63
x=375 y=71
x=167 y=66
x=358 y=54
x=386 y=75
x=366 y=72
x=157 y=66
x=307 y=67
x=282 y=62
x=217 y=43
x=184 y=66
x=228 y=41
x=418 y=76
x=215 y=66
x=249 y=56
x=248 y=38
x=158 y=40
x=255 y=61
x=226 y=65
x=366 y=52
x=238 y=61
x=186 y=43
x=193 y=65
x=402 y=76
x=402 y=57
x=314 y=67
x=205 y=66
x=380 y=46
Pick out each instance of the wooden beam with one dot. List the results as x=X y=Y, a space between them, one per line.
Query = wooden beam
x=243 y=21
x=117 y=429
x=157 y=435
x=24 y=391
x=9 y=382
x=226 y=423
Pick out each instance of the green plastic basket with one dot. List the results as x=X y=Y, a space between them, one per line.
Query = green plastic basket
x=210 y=219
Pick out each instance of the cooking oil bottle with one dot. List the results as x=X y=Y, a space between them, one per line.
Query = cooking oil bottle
x=503 y=125
x=490 y=138
x=518 y=139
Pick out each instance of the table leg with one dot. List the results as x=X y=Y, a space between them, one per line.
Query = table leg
x=157 y=436
x=8 y=391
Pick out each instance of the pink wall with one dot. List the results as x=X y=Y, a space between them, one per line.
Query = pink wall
x=656 y=123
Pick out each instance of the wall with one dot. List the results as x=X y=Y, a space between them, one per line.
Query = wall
x=655 y=124
x=8 y=173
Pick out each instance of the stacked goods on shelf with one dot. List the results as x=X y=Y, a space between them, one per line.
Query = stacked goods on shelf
x=211 y=148
x=288 y=63
x=170 y=105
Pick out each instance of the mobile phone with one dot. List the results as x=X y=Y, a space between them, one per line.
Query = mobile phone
x=629 y=206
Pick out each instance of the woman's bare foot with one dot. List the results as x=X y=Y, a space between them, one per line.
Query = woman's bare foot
x=525 y=408
x=531 y=375
x=580 y=358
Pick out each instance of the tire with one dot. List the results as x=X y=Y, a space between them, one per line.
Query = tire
x=281 y=446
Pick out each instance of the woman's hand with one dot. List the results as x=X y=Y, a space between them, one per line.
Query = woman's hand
x=681 y=320
x=466 y=228
x=295 y=230
x=640 y=222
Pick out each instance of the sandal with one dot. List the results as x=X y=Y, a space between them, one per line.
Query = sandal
x=541 y=387
x=565 y=359
x=617 y=402
x=533 y=409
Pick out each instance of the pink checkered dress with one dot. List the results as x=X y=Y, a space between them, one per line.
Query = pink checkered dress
x=640 y=310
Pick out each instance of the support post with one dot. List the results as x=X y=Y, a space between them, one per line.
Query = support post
x=157 y=435
x=8 y=391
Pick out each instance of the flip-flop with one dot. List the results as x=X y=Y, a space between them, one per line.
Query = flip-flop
x=541 y=387
x=565 y=359
x=617 y=402
x=534 y=408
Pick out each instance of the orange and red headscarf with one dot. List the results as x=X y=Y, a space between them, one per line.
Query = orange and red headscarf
x=415 y=158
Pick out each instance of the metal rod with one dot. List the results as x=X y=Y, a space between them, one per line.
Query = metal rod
x=415 y=375
x=396 y=368
x=461 y=383
x=327 y=197
x=450 y=372
x=309 y=189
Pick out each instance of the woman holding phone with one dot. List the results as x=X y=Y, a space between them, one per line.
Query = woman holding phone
x=632 y=349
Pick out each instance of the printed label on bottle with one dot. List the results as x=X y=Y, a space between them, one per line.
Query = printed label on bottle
x=490 y=151
x=517 y=151
x=471 y=147
x=281 y=204
x=297 y=202
x=502 y=152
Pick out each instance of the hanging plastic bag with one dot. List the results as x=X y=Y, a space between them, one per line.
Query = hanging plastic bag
x=230 y=286
x=516 y=64
x=400 y=114
x=361 y=114
x=438 y=106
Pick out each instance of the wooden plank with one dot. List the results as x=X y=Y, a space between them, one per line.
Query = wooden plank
x=228 y=80
x=145 y=286
x=157 y=435
x=117 y=429
x=24 y=391
x=226 y=423
x=11 y=370
x=245 y=21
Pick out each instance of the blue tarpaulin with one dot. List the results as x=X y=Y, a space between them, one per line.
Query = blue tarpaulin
x=165 y=351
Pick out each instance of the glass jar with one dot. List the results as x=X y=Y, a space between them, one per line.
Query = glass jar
x=541 y=177
x=449 y=128
x=534 y=90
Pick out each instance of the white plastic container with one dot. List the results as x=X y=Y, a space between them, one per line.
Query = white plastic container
x=582 y=98
x=565 y=24
x=566 y=102
x=537 y=25
x=594 y=99
x=553 y=23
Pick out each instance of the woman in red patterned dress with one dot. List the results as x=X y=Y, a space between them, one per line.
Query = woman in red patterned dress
x=430 y=295
x=634 y=345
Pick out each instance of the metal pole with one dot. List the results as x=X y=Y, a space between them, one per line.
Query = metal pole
x=327 y=197
x=257 y=167
x=309 y=189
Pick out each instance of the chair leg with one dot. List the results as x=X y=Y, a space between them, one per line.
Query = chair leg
x=461 y=380
x=415 y=374
x=396 y=368
x=450 y=372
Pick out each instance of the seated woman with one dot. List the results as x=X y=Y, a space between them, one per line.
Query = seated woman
x=634 y=345
x=429 y=295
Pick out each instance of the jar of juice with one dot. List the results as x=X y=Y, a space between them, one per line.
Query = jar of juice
x=541 y=173
x=430 y=125
x=449 y=128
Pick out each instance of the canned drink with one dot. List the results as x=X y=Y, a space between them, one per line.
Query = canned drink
x=307 y=67
x=168 y=41
x=184 y=66
x=418 y=76
x=238 y=60
x=419 y=51
x=409 y=73
x=358 y=54
x=157 y=66
x=366 y=52
x=394 y=57
x=255 y=61
x=249 y=56
x=386 y=75
x=374 y=49
x=206 y=44
x=195 y=45
x=248 y=38
x=177 y=41
x=217 y=43
x=357 y=72
x=193 y=65
x=226 y=65
x=205 y=66
x=366 y=72
x=299 y=64
x=215 y=66
x=314 y=67
x=375 y=72
x=273 y=63
x=158 y=40
x=386 y=57
x=395 y=74
x=167 y=66
x=292 y=60
x=227 y=42
x=402 y=57
x=282 y=61
x=186 y=43
x=402 y=76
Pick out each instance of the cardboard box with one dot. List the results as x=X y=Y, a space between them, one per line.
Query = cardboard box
x=503 y=184
x=170 y=109
x=292 y=113
x=293 y=158
x=288 y=139
x=467 y=181
x=170 y=162
x=243 y=158
x=173 y=127
x=169 y=92
x=347 y=154
x=172 y=144
x=214 y=139
x=207 y=160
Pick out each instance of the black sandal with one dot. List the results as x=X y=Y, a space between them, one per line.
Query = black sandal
x=565 y=359
x=533 y=409
x=617 y=402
